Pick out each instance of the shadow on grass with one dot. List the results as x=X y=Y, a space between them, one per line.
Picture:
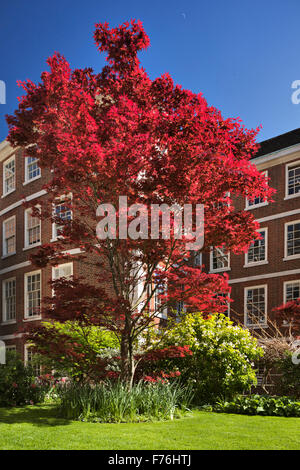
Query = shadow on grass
x=39 y=415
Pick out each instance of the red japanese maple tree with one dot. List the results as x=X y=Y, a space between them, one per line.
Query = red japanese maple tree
x=288 y=314
x=119 y=133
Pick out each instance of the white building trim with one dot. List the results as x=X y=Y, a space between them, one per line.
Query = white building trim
x=21 y=201
x=291 y=272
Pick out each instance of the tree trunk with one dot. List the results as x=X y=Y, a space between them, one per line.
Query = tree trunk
x=127 y=363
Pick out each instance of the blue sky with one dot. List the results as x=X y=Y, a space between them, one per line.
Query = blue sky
x=242 y=55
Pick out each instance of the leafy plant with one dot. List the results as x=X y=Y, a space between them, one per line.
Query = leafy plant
x=222 y=361
x=17 y=383
x=260 y=405
x=113 y=401
x=290 y=379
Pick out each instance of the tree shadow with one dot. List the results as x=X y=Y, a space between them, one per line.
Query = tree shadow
x=39 y=415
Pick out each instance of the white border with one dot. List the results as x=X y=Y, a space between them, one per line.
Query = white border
x=26 y=179
x=4 y=319
x=6 y=255
x=294 y=281
x=264 y=261
x=286 y=257
x=246 y=289
x=218 y=270
x=26 y=241
x=4 y=194
x=287 y=166
x=26 y=275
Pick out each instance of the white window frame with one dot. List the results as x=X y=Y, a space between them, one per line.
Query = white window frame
x=218 y=270
x=261 y=325
x=26 y=238
x=26 y=275
x=4 y=314
x=286 y=257
x=265 y=261
x=11 y=347
x=26 y=362
x=4 y=253
x=200 y=262
x=294 y=281
x=59 y=266
x=261 y=204
x=27 y=179
x=60 y=200
x=6 y=162
x=287 y=166
x=163 y=314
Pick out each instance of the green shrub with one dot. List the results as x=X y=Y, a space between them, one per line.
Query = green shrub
x=223 y=355
x=113 y=402
x=17 y=383
x=290 y=379
x=260 y=405
x=73 y=350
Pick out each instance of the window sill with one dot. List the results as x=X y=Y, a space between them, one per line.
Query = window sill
x=7 y=256
x=38 y=317
x=221 y=270
x=256 y=206
x=33 y=179
x=290 y=258
x=291 y=196
x=32 y=246
x=255 y=327
x=7 y=194
x=8 y=322
x=258 y=263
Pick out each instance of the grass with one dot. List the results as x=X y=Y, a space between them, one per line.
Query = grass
x=37 y=427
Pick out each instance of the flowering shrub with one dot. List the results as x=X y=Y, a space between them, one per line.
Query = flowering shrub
x=220 y=362
x=17 y=383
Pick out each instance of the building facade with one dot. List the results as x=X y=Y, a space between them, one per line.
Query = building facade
x=265 y=277
x=269 y=274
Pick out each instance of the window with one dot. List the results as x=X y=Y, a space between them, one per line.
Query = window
x=32 y=294
x=253 y=202
x=293 y=179
x=256 y=306
x=225 y=201
x=198 y=258
x=292 y=239
x=160 y=291
x=30 y=360
x=9 y=236
x=9 y=300
x=219 y=260
x=62 y=212
x=32 y=229
x=62 y=270
x=226 y=301
x=11 y=348
x=9 y=180
x=32 y=169
x=291 y=291
x=257 y=252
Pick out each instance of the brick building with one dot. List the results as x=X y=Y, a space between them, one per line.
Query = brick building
x=267 y=276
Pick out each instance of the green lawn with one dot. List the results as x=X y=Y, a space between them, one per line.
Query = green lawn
x=37 y=427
